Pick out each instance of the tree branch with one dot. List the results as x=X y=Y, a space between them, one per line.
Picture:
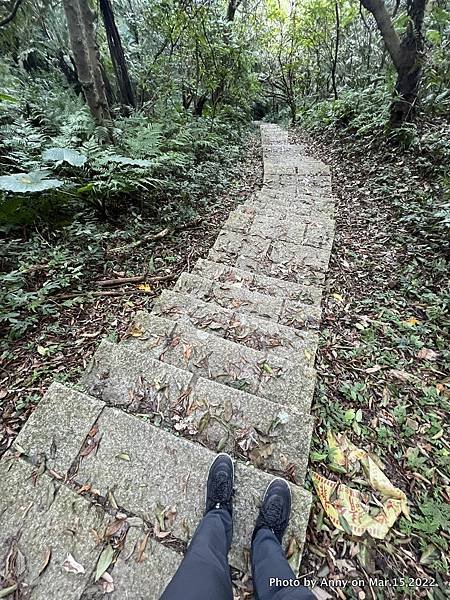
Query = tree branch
x=386 y=27
x=12 y=14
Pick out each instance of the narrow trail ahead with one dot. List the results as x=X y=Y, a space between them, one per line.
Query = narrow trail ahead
x=225 y=361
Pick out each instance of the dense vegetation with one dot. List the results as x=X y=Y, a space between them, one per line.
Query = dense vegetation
x=123 y=125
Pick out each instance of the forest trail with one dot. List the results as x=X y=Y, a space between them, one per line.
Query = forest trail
x=113 y=472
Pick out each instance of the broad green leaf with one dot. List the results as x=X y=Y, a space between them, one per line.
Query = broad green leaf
x=104 y=561
x=68 y=155
x=23 y=183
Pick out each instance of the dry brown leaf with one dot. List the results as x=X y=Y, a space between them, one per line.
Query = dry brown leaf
x=427 y=354
x=141 y=547
x=72 y=566
x=107 y=583
x=187 y=351
x=46 y=560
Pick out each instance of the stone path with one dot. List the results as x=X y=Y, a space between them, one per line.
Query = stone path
x=116 y=467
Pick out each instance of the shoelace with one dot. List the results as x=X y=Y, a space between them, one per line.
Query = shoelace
x=273 y=515
x=221 y=489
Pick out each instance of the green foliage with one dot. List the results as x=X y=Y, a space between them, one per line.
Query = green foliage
x=61 y=155
x=28 y=183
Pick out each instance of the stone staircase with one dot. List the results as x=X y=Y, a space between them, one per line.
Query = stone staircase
x=223 y=362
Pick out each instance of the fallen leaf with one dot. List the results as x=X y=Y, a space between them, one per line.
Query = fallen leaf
x=338 y=297
x=187 y=351
x=7 y=591
x=145 y=287
x=72 y=566
x=373 y=369
x=124 y=456
x=402 y=375
x=41 y=350
x=141 y=546
x=227 y=410
x=107 y=583
x=427 y=354
x=104 y=561
x=46 y=560
x=136 y=330
x=411 y=322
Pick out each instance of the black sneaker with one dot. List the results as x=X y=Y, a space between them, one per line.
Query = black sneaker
x=276 y=509
x=219 y=488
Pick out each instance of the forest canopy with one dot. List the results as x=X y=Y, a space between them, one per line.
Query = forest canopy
x=126 y=105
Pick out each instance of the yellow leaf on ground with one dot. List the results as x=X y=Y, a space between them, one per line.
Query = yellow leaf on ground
x=145 y=287
x=345 y=506
x=411 y=322
x=136 y=331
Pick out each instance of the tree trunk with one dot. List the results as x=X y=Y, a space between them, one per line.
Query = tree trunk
x=409 y=71
x=80 y=23
x=336 y=50
x=117 y=54
x=406 y=53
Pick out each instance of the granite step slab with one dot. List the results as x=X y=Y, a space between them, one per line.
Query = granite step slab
x=55 y=432
x=41 y=516
x=274 y=225
x=223 y=361
x=272 y=134
x=143 y=575
x=254 y=282
x=278 y=259
x=253 y=429
x=292 y=165
x=277 y=340
x=233 y=296
x=299 y=184
x=167 y=473
x=293 y=204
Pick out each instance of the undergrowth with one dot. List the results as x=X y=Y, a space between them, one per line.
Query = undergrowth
x=68 y=193
x=384 y=358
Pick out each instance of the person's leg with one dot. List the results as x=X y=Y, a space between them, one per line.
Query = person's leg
x=269 y=564
x=204 y=572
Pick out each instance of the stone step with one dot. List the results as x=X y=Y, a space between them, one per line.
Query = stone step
x=277 y=340
x=42 y=518
x=299 y=184
x=318 y=199
x=58 y=429
x=280 y=205
x=223 y=361
x=308 y=230
x=165 y=475
x=234 y=297
x=271 y=437
x=273 y=258
x=135 y=466
x=142 y=575
x=269 y=286
x=292 y=164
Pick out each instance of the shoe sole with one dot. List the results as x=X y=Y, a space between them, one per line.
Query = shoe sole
x=210 y=467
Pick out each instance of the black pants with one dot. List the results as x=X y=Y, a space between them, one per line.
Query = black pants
x=204 y=573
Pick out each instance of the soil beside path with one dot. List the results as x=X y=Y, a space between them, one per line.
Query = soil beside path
x=383 y=369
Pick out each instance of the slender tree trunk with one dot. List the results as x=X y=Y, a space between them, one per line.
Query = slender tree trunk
x=80 y=22
x=336 y=50
x=117 y=54
x=407 y=55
